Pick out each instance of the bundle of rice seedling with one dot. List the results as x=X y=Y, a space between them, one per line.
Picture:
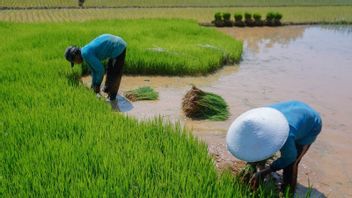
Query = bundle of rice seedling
x=142 y=93
x=198 y=104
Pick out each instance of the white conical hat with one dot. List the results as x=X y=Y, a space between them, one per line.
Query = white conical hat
x=257 y=134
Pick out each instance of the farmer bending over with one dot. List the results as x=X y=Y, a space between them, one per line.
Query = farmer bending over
x=257 y=134
x=103 y=47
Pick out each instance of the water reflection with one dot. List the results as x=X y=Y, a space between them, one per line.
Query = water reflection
x=345 y=29
x=254 y=37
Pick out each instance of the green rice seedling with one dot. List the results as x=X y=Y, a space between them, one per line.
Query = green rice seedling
x=198 y=104
x=142 y=93
x=167 y=47
x=301 y=14
x=248 y=19
x=257 y=16
x=238 y=20
x=171 y=3
x=277 y=17
x=226 y=16
x=270 y=18
x=227 y=19
x=238 y=17
x=247 y=16
x=258 y=19
x=218 y=16
x=58 y=140
x=218 y=20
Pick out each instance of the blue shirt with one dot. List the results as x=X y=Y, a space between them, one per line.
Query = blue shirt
x=103 y=47
x=305 y=124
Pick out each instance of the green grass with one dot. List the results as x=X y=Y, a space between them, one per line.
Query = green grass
x=58 y=140
x=326 y=14
x=142 y=93
x=151 y=3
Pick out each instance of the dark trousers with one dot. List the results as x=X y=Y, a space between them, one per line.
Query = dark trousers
x=291 y=171
x=113 y=75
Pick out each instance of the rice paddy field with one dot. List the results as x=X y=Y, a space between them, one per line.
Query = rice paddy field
x=167 y=47
x=170 y=3
x=325 y=14
x=57 y=139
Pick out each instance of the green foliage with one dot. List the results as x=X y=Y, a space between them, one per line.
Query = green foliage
x=212 y=107
x=257 y=16
x=238 y=17
x=247 y=16
x=270 y=16
x=277 y=16
x=171 y=3
x=80 y=3
x=142 y=93
x=301 y=14
x=226 y=16
x=198 y=104
x=58 y=140
x=218 y=16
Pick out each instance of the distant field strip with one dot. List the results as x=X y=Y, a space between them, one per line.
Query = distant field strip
x=155 y=3
x=291 y=14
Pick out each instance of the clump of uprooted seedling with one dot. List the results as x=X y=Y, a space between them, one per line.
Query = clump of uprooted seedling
x=246 y=173
x=142 y=93
x=198 y=104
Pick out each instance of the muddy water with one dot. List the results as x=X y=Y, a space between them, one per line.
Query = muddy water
x=307 y=63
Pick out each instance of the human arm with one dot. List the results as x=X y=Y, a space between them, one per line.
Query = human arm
x=97 y=71
x=288 y=155
x=254 y=181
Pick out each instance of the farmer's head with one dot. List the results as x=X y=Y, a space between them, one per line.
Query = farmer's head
x=257 y=134
x=73 y=55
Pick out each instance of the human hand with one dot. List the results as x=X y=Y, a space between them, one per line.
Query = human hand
x=254 y=181
x=98 y=95
x=257 y=177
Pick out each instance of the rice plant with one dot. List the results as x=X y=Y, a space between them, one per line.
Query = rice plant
x=218 y=16
x=309 y=14
x=170 y=3
x=142 y=93
x=167 y=47
x=198 y=104
x=238 y=17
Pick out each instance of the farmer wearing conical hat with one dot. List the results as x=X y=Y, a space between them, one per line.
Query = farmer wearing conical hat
x=103 y=47
x=257 y=134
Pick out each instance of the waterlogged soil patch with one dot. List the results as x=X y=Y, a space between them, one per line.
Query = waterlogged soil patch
x=142 y=93
x=198 y=104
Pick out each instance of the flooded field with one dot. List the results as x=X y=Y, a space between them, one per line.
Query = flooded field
x=307 y=63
